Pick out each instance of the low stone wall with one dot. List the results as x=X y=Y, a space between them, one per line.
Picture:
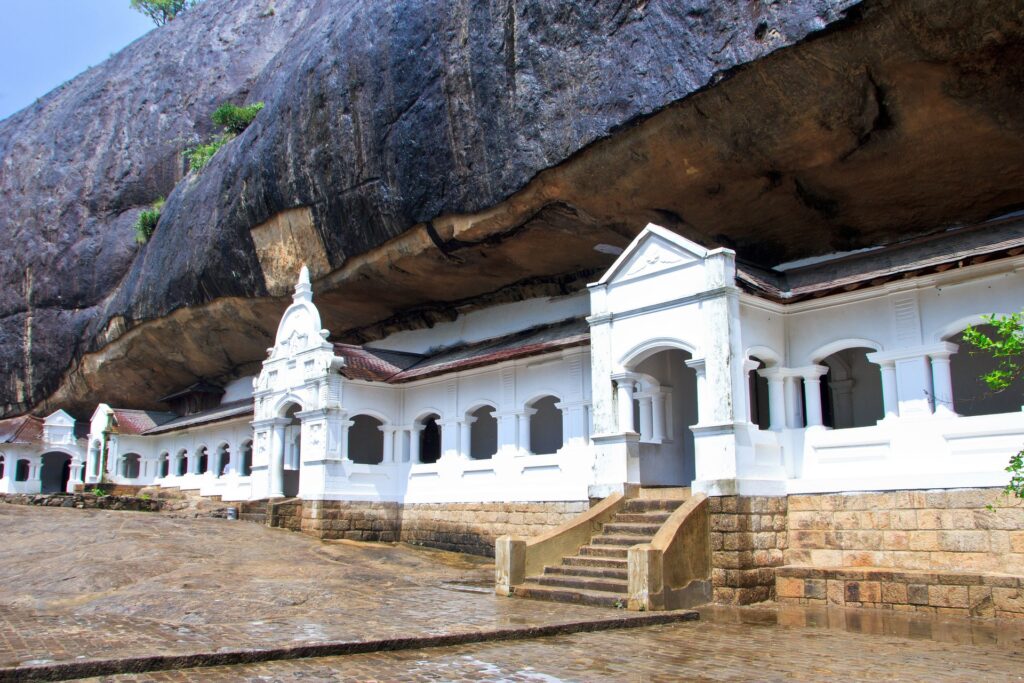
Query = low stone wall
x=748 y=541
x=462 y=527
x=83 y=501
x=950 y=534
x=937 y=592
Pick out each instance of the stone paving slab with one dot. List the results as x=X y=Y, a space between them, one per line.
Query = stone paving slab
x=723 y=646
x=89 y=585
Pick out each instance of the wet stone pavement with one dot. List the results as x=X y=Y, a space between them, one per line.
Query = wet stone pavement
x=79 y=585
x=791 y=644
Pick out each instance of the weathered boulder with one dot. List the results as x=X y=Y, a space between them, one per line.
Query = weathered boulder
x=420 y=155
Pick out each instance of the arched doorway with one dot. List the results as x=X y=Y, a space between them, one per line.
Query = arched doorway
x=430 y=439
x=292 y=461
x=55 y=473
x=545 y=426
x=851 y=390
x=366 y=440
x=971 y=396
x=665 y=407
x=483 y=433
x=131 y=466
x=246 y=462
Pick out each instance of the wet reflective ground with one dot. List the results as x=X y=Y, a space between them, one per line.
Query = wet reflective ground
x=729 y=644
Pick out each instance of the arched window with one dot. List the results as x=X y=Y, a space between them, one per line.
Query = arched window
x=483 y=433
x=21 y=470
x=130 y=466
x=430 y=439
x=3 y=466
x=204 y=460
x=545 y=426
x=181 y=468
x=971 y=396
x=165 y=465
x=851 y=390
x=223 y=459
x=366 y=440
x=758 y=387
x=246 y=458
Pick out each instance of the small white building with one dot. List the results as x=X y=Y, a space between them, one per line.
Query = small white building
x=40 y=456
x=679 y=367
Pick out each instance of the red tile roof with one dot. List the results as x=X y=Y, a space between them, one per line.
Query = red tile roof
x=139 y=421
x=22 y=429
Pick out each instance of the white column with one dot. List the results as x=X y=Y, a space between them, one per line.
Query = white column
x=414 y=443
x=343 y=439
x=524 y=431
x=465 y=438
x=794 y=406
x=776 y=398
x=449 y=439
x=507 y=434
x=276 y=470
x=812 y=393
x=658 y=417
x=705 y=409
x=942 y=384
x=625 y=396
x=890 y=398
x=389 y=444
x=646 y=420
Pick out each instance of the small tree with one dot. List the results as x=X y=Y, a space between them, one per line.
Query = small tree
x=162 y=11
x=1006 y=346
x=145 y=224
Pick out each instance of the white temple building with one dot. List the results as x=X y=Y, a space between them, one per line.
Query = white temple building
x=679 y=367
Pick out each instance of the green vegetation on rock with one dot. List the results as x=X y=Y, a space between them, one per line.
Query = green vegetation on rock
x=162 y=11
x=236 y=119
x=146 y=223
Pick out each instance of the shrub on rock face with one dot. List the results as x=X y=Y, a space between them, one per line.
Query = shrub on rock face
x=145 y=224
x=236 y=119
x=199 y=156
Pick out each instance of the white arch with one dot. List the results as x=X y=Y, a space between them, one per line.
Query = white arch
x=960 y=324
x=426 y=412
x=480 y=403
x=838 y=345
x=286 y=400
x=381 y=417
x=766 y=354
x=648 y=348
x=59 y=449
x=542 y=394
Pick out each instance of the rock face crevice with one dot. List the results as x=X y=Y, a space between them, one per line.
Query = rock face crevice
x=420 y=154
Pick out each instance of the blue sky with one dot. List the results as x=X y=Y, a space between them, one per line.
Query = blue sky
x=46 y=42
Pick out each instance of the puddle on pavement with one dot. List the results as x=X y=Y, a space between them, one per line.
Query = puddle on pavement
x=958 y=630
x=471 y=586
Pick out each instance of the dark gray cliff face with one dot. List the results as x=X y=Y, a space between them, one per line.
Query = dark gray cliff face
x=486 y=145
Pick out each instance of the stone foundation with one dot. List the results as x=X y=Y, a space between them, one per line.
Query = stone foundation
x=462 y=527
x=939 y=539
x=748 y=541
x=965 y=594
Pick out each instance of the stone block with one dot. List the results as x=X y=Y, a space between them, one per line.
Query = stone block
x=903 y=519
x=948 y=596
x=917 y=594
x=894 y=593
x=1008 y=600
x=963 y=541
x=806 y=539
x=929 y=518
x=804 y=503
x=826 y=558
x=835 y=592
x=866 y=558
x=863 y=591
x=910 y=559
x=815 y=589
x=926 y=541
x=786 y=587
x=980 y=602
x=895 y=540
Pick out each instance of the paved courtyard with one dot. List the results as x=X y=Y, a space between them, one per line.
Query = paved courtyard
x=80 y=586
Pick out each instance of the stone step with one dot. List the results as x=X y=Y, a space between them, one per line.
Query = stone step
x=587 y=571
x=678 y=493
x=651 y=505
x=623 y=540
x=594 y=561
x=587 y=583
x=617 y=528
x=580 y=597
x=619 y=551
x=658 y=518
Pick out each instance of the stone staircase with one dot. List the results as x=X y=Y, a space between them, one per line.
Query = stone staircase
x=597 y=575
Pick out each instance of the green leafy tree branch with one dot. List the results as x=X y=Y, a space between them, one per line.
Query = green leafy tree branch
x=1006 y=346
x=162 y=11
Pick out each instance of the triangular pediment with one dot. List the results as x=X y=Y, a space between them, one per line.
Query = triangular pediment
x=59 y=419
x=654 y=250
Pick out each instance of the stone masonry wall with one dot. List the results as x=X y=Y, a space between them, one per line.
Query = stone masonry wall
x=916 y=530
x=83 y=501
x=748 y=541
x=463 y=527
